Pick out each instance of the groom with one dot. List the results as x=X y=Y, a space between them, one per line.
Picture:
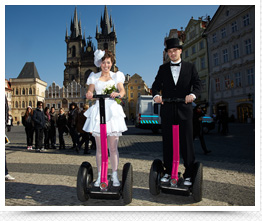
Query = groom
x=177 y=79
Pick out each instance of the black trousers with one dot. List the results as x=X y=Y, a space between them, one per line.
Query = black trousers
x=39 y=138
x=186 y=145
x=85 y=139
x=29 y=136
x=61 y=138
x=52 y=135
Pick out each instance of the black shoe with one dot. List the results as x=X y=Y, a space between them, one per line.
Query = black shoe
x=207 y=152
x=37 y=150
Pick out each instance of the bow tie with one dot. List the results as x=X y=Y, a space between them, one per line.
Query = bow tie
x=178 y=64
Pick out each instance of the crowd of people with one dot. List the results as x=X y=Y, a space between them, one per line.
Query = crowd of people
x=44 y=123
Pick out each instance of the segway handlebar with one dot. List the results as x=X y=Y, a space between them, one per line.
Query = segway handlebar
x=103 y=96
x=173 y=100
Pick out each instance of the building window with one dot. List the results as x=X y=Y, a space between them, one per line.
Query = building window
x=131 y=88
x=193 y=49
x=215 y=59
x=203 y=83
x=23 y=104
x=238 y=79
x=132 y=95
x=203 y=63
x=201 y=45
x=138 y=94
x=16 y=104
x=73 y=51
x=16 y=91
x=30 y=103
x=250 y=76
x=248 y=46
x=53 y=105
x=225 y=55
x=59 y=105
x=30 y=90
x=217 y=84
x=186 y=53
x=214 y=37
x=48 y=105
x=227 y=82
x=138 y=87
x=223 y=33
x=246 y=20
x=236 y=51
x=234 y=27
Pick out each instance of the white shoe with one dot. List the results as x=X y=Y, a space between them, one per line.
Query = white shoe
x=97 y=183
x=8 y=177
x=188 y=182
x=165 y=178
x=115 y=180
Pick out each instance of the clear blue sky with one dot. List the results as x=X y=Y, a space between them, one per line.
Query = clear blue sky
x=37 y=34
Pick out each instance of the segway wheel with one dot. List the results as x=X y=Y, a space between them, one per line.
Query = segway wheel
x=197 y=182
x=155 y=176
x=127 y=183
x=84 y=179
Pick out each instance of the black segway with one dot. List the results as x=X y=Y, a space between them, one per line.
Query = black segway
x=176 y=184
x=85 y=184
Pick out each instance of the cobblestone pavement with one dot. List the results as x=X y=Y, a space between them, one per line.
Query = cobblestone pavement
x=49 y=178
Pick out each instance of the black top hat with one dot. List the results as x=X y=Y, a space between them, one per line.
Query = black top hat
x=172 y=43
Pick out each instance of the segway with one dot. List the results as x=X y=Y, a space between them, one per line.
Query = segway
x=176 y=184
x=85 y=184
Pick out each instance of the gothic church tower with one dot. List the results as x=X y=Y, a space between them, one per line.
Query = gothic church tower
x=80 y=54
x=106 y=37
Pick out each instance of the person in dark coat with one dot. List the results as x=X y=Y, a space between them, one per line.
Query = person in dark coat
x=62 y=127
x=177 y=79
x=39 y=123
x=198 y=127
x=47 y=128
x=8 y=177
x=85 y=135
x=52 y=133
x=27 y=121
x=72 y=123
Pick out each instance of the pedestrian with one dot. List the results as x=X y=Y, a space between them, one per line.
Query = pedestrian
x=72 y=123
x=103 y=82
x=177 y=79
x=198 y=127
x=52 y=133
x=219 y=121
x=83 y=134
x=47 y=128
x=62 y=127
x=224 y=122
x=39 y=123
x=27 y=121
x=8 y=177
x=9 y=122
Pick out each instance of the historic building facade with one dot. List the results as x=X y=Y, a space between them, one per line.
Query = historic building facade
x=8 y=94
x=231 y=48
x=195 y=51
x=27 y=89
x=135 y=87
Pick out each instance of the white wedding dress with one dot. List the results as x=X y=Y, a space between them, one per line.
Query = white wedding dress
x=115 y=116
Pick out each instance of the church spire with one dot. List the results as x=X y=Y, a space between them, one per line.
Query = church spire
x=105 y=23
x=75 y=30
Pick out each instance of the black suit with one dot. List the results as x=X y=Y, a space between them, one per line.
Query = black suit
x=188 y=82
